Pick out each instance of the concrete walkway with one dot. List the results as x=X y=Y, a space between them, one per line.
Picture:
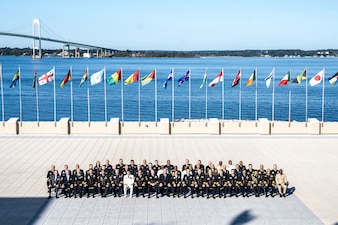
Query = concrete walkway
x=308 y=161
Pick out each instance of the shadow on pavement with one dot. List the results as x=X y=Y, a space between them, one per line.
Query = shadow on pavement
x=21 y=210
x=243 y=218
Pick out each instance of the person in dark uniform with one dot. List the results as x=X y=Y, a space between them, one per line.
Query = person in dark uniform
x=187 y=165
x=226 y=182
x=53 y=181
x=63 y=172
x=78 y=178
x=108 y=167
x=169 y=166
x=103 y=183
x=164 y=183
x=233 y=185
x=116 y=183
x=269 y=183
x=199 y=165
x=77 y=170
x=175 y=182
x=256 y=183
x=187 y=182
x=120 y=166
x=245 y=183
x=210 y=184
x=67 y=184
x=90 y=167
x=199 y=182
x=156 y=167
x=221 y=183
x=97 y=168
x=152 y=183
x=132 y=167
x=90 y=183
x=261 y=173
x=140 y=183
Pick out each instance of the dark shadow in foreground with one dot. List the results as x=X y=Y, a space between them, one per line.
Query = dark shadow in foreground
x=243 y=218
x=21 y=210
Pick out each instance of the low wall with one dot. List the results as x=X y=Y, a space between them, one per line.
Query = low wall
x=165 y=127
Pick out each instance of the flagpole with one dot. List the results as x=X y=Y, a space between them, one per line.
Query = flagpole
x=37 y=99
x=223 y=94
x=306 y=98
x=122 y=112
x=139 y=97
x=54 y=96
x=71 y=96
x=172 y=97
x=2 y=98
x=105 y=95
x=273 y=96
x=206 y=93
x=323 y=96
x=155 y=95
x=88 y=97
x=189 y=94
x=256 y=95
x=289 y=119
x=20 y=96
x=240 y=96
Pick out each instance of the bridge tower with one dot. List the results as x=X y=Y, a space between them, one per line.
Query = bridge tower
x=36 y=49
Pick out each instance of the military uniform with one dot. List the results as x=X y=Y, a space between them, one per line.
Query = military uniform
x=175 y=180
x=103 y=184
x=91 y=183
x=164 y=184
x=78 y=182
x=53 y=182
x=116 y=181
x=187 y=182
x=152 y=184
x=233 y=185
x=269 y=183
x=245 y=184
x=210 y=184
x=67 y=184
x=140 y=182
x=199 y=184
x=256 y=184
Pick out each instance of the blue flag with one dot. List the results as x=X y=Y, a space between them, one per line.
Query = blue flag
x=170 y=76
x=184 y=78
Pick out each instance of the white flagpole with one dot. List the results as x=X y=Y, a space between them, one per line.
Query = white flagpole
x=88 y=96
x=323 y=96
x=2 y=98
x=122 y=112
x=306 y=97
x=20 y=96
x=189 y=94
x=105 y=95
x=240 y=96
x=289 y=119
x=256 y=97
x=172 y=97
x=155 y=95
x=37 y=98
x=223 y=94
x=54 y=96
x=139 y=97
x=71 y=96
x=206 y=93
x=273 y=96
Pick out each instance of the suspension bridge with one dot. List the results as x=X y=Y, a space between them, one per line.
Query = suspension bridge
x=98 y=51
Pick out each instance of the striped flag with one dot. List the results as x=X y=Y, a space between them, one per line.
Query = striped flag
x=333 y=79
x=218 y=78
x=67 y=78
x=268 y=79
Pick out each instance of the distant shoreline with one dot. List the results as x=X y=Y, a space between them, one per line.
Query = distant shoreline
x=283 y=53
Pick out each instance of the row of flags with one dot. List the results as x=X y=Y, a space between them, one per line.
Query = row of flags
x=114 y=78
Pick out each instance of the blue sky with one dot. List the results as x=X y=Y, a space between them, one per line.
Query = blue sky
x=177 y=24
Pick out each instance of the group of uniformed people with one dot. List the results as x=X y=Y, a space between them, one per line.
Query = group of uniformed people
x=147 y=179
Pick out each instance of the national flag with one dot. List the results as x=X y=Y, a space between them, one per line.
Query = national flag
x=285 y=79
x=237 y=79
x=34 y=80
x=84 y=78
x=15 y=79
x=147 y=79
x=184 y=78
x=97 y=77
x=268 y=79
x=132 y=78
x=114 y=78
x=67 y=78
x=47 y=77
x=333 y=79
x=316 y=79
x=170 y=76
x=252 y=78
x=218 y=78
x=300 y=77
x=204 y=79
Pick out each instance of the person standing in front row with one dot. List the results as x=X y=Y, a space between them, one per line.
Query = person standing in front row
x=128 y=181
x=281 y=182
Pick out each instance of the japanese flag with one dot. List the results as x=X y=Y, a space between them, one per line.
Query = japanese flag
x=317 y=78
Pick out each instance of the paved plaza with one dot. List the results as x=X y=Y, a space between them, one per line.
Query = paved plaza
x=310 y=163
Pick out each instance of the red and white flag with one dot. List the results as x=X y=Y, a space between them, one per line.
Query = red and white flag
x=47 y=77
x=219 y=78
x=317 y=78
